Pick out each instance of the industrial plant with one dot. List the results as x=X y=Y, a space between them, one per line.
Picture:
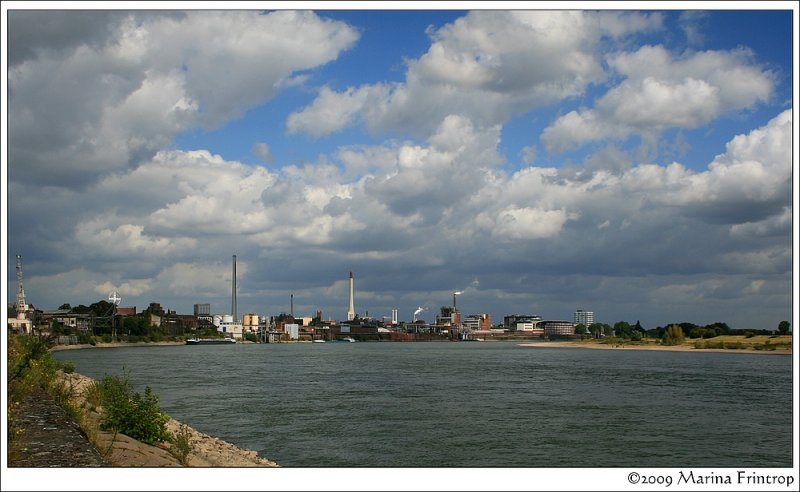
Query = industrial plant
x=448 y=324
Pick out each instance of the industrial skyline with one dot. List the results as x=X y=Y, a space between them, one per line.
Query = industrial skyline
x=637 y=162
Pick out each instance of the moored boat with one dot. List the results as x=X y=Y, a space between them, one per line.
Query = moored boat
x=210 y=341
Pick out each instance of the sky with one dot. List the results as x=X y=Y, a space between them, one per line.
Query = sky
x=635 y=163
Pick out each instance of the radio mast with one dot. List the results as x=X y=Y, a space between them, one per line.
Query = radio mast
x=22 y=306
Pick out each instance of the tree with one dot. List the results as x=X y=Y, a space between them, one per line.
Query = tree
x=673 y=336
x=65 y=306
x=716 y=329
x=598 y=329
x=581 y=329
x=622 y=329
x=783 y=327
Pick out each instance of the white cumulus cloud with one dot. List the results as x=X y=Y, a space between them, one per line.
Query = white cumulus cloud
x=662 y=91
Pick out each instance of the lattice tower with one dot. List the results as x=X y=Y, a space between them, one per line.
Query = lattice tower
x=21 y=304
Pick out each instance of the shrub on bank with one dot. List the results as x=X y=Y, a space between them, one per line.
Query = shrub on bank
x=84 y=338
x=182 y=445
x=128 y=412
x=68 y=367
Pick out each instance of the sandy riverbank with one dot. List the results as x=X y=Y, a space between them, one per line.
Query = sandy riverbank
x=122 y=451
x=662 y=348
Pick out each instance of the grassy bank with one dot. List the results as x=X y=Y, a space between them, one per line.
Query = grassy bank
x=779 y=344
x=757 y=342
x=127 y=428
x=109 y=405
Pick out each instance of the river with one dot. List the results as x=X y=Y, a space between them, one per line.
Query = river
x=449 y=404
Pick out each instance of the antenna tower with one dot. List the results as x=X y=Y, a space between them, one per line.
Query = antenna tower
x=21 y=305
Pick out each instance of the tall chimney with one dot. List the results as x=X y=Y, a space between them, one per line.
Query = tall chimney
x=233 y=291
x=291 y=305
x=351 y=311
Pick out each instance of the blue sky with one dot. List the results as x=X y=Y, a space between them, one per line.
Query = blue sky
x=636 y=163
x=379 y=57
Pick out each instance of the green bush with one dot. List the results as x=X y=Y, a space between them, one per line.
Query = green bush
x=68 y=367
x=133 y=338
x=106 y=338
x=128 y=412
x=673 y=336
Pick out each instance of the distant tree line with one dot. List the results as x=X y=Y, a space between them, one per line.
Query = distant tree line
x=624 y=330
x=621 y=329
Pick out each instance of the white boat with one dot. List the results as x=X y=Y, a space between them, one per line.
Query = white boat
x=318 y=340
x=348 y=339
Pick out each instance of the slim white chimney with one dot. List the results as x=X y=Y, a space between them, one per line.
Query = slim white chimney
x=351 y=311
x=233 y=291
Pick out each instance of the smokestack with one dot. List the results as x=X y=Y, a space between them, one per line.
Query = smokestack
x=351 y=311
x=233 y=291
x=291 y=308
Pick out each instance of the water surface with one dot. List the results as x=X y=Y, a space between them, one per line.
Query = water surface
x=492 y=404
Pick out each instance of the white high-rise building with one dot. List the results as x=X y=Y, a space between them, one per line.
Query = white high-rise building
x=585 y=318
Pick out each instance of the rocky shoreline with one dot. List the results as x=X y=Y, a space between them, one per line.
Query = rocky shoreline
x=51 y=438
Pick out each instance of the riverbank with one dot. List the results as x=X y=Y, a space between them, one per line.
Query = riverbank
x=77 y=346
x=117 y=450
x=586 y=344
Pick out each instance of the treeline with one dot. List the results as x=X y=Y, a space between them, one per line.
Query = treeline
x=696 y=331
x=621 y=329
x=717 y=329
x=625 y=330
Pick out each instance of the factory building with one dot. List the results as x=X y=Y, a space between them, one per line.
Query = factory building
x=478 y=322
